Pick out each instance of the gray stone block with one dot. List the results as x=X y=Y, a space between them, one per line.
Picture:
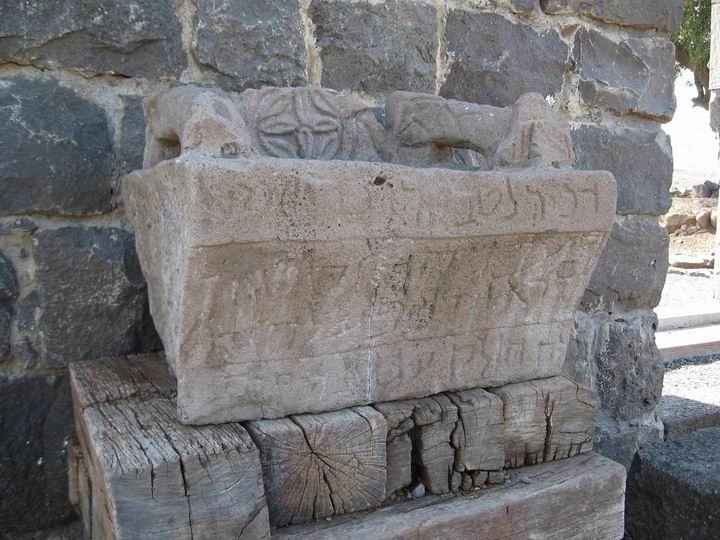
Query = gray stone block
x=630 y=273
x=35 y=422
x=640 y=159
x=672 y=489
x=663 y=15
x=251 y=44
x=371 y=47
x=620 y=440
x=90 y=298
x=8 y=292
x=5 y=330
x=132 y=135
x=635 y=75
x=629 y=367
x=138 y=39
x=57 y=150
x=495 y=61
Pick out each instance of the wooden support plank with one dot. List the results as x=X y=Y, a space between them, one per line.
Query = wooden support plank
x=153 y=477
x=580 y=498
x=319 y=465
x=546 y=419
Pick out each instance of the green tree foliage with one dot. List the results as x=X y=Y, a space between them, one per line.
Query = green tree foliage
x=692 y=44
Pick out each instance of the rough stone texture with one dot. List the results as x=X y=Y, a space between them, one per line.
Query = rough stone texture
x=545 y=420
x=316 y=466
x=663 y=15
x=91 y=297
x=132 y=140
x=251 y=44
x=630 y=369
x=138 y=39
x=495 y=61
x=690 y=399
x=368 y=315
x=581 y=497
x=626 y=152
x=631 y=271
x=361 y=51
x=8 y=293
x=152 y=477
x=35 y=422
x=620 y=440
x=57 y=150
x=632 y=76
x=672 y=489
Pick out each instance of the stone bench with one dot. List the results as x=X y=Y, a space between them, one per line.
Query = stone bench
x=303 y=256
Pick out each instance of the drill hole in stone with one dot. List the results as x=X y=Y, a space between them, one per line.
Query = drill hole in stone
x=381 y=181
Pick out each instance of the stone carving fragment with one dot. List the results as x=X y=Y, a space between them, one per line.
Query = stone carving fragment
x=319 y=465
x=302 y=256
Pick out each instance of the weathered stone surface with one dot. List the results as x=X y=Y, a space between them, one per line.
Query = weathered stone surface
x=137 y=39
x=523 y=6
x=478 y=435
x=629 y=367
x=368 y=272
x=251 y=44
x=545 y=420
x=319 y=465
x=152 y=477
x=495 y=61
x=631 y=271
x=663 y=15
x=690 y=399
x=8 y=293
x=581 y=497
x=371 y=47
x=57 y=150
x=635 y=75
x=626 y=153
x=132 y=139
x=672 y=489
x=35 y=422
x=91 y=297
x=435 y=419
x=620 y=440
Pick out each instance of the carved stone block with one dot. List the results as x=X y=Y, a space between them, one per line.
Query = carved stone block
x=319 y=465
x=150 y=476
x=546 y=419
x=345 y=277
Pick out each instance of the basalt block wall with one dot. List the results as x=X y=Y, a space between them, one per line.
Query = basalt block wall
x=72 y=76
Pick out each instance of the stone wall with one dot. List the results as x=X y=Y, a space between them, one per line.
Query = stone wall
x=72 y=75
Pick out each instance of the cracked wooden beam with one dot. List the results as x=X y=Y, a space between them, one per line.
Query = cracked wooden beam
x=152 y=477
x=319 y=465
x=546 y=420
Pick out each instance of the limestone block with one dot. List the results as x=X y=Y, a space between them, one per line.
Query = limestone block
x=282 y=286
x=635 y=75
x=581 y=498
x=545 y=420
x=663 y=15
x=495 y=61
x=478 y=437
x=363 y=47
x=153 y=477
x=319 y=465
